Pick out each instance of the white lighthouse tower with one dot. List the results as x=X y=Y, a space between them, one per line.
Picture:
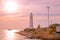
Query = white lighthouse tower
x=31 y=20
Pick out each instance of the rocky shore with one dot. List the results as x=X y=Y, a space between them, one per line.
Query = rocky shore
x=41 y=33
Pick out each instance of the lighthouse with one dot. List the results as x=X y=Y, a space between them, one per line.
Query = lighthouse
x=31 y=20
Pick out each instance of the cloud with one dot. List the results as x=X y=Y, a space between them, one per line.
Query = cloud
x=41 y=2
x=46 y=14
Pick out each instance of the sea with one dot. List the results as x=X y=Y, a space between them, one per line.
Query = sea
x=12 y=35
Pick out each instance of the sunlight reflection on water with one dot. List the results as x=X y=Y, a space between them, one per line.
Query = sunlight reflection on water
x=10 y=34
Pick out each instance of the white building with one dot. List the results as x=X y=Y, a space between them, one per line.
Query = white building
x=58 y=28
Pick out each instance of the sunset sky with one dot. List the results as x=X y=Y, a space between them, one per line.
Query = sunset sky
x=19 y=17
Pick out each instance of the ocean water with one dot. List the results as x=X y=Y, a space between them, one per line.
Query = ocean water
x=10 y=35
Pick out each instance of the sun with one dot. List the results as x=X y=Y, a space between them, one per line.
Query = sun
x=11 y=6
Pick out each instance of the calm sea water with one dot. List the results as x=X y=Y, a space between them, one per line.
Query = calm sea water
x=10 y=35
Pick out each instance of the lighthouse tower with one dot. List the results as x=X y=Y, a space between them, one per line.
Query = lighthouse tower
x=31 y=20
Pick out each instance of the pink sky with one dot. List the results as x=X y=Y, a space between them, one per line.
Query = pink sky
x=20 y=19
